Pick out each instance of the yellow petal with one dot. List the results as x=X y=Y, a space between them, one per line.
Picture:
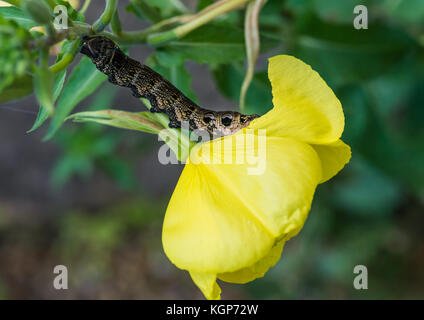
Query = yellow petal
x=74 y=3
x=207 y=284
x=221 y=219
x=258 y=269
x=305 y=108
x=333 y=158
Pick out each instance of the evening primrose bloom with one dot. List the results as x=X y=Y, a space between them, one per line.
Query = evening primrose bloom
x=224 y=223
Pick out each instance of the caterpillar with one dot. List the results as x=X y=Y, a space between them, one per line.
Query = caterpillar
x=162 y=95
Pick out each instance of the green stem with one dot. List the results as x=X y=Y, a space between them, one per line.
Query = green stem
x=203 y=17
x=115 y=24
x=81 y=28
x=85 y=6
x=178 y=19
x=179 y=5
x=51 y=31
x=44 y=57
x=209 y=15
x=106 y=16
x=67 y=58
x=252 y=41
x=134 y=37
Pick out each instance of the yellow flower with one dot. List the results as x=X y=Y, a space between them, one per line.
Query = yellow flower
x=224 y=223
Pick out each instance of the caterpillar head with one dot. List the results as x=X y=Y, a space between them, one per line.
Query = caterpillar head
x=98 y=48
x=227 y=122
x=231 y=122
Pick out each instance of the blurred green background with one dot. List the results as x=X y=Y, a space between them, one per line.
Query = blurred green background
x=94 y=198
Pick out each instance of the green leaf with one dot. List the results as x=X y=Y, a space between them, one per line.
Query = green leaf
x=202 y=4
x=393 y=89
x=17 y=15
x=171 y=67
x=83 y=81
x=215 y=43
x=156 y=10
x=354 y=102
x=365 y=190
x=120 y=119
x=58 y=84
x=68 y=166
x=343 y=55
x=395 y=153
x=337 y=11
x=410 y=11
x=43 y=115
x=19 y=88
x=38 y=10
x=229 y=78
x=120 y=171
x=143 y=14
x=43 y=87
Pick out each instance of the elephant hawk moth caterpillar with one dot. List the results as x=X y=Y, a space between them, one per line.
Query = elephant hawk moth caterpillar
x=162 y=95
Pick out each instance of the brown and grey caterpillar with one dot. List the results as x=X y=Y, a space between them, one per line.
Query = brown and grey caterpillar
x=163 y=96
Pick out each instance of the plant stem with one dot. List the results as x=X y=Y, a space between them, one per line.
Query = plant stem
x=106 y=16
x=44 y=57
x=203 y=17
x=252 y=40
x=85 y=6
x=67 y=58
x=208 y=15
x=181 y=19
x=115 y=24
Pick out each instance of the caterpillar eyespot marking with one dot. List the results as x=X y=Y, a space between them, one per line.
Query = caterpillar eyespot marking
x=162 y=95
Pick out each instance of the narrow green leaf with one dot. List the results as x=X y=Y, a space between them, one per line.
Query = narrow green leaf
x=57 y=89
x=38 y=10
x=214 y=43
x=143 y=11
x=120 y=119
x=43 y=87
x=83 y=81
x=58 y=84
x=211 y=44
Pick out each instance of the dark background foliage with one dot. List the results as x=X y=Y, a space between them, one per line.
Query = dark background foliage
x=93 y=198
